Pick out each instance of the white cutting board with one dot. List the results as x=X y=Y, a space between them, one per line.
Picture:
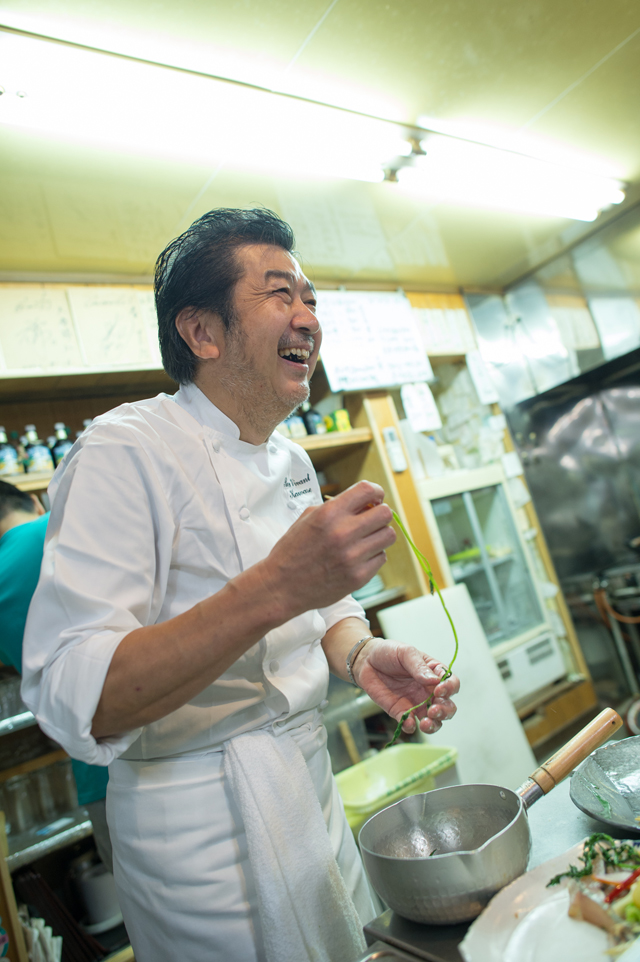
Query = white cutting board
x=492 y=746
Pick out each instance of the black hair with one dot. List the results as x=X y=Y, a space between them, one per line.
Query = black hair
x=13 y=499
x=199 y=269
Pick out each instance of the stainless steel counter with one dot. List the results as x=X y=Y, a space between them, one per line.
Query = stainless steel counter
x=556 y=825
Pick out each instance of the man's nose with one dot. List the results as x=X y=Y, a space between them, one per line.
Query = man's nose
x=304 y=318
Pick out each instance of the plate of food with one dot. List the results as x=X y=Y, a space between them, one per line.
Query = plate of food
x=583 y=906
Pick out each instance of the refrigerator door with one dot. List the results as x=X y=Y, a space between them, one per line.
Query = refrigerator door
x=484 y=553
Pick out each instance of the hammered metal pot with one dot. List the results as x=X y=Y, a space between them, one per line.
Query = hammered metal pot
x=479 y=837
x=441 y=856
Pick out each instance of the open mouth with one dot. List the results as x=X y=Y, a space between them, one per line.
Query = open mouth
x=298 y=355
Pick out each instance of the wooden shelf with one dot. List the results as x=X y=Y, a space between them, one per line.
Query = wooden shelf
x=334 y=439
x=35 y=481
x=85 y=383
x=33 y=764
x=326 y=448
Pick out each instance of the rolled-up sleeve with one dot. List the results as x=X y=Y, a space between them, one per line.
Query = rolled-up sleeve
x=345 y=608
x=104 y=572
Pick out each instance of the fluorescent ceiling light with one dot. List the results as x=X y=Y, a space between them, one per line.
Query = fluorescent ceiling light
x=85 y=96
x=511 y=171
x=474 y=175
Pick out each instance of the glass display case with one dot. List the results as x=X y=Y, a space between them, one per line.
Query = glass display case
x=484 y=551
x=478 y=543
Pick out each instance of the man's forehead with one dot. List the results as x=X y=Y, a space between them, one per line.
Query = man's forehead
x=267 y=263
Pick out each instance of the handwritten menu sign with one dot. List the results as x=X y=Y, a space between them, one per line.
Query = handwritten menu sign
x=36 y=331
x=110 y=327
x=370 y=340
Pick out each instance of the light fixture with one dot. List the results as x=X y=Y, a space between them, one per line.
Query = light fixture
x=81 y=95
x=476 y=175
x=85 y=96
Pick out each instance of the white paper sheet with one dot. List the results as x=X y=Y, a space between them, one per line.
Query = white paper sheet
x=370 y=340
x=511 y=465
x=481 y=378
x=420 y=407
x=445 y=330
x=36 y=330
x=110 y=327
x=147 y=308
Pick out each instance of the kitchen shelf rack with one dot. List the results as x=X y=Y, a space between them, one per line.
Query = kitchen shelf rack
x=24 y=720
x=27 y=846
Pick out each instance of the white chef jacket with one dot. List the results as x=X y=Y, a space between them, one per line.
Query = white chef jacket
x=158 y=504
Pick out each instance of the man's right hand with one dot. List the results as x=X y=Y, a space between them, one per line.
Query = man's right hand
x=331 y=550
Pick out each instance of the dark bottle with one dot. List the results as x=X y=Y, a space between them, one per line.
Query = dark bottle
x=9 y=462
x=62 y=443
x=313 y=421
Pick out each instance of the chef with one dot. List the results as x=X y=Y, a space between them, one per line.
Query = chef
x=194 y=596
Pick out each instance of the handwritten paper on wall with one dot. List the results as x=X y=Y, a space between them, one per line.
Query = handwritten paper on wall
x=446 y=330
x=147 y=308
x=36 y=331
x=110 y=327
x=420 y=407
x=370 y=340
x=481 y=378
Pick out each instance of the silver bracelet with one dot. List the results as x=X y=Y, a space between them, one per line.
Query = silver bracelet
x=351 y=657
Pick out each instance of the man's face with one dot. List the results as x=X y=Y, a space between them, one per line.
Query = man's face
x=271 y=349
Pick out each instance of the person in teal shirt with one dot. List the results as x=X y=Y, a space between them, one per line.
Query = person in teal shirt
x=23 y=525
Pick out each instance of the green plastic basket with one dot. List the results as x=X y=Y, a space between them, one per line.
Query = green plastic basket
x=375 y=783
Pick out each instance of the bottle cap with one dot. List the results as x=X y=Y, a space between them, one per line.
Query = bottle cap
x=29 y=427
x=58 y=425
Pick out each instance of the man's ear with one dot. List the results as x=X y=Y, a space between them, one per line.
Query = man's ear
x=200 y=330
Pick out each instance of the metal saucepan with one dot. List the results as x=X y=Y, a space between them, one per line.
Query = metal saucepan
x=441 y=856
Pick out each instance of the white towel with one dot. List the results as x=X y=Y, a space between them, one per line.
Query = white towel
x=306 y=911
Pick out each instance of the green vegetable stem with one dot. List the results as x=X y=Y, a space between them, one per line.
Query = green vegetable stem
x=426 y=567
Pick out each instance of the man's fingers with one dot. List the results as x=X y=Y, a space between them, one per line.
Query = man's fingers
x=360 y=495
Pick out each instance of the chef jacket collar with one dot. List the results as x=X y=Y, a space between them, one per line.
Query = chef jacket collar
x=205 y=412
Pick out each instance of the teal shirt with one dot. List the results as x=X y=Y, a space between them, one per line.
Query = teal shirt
x=20 y=559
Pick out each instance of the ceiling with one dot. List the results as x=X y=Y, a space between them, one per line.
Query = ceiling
x=564 y=71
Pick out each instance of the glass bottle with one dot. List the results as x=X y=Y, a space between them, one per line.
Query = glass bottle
x=38 y=454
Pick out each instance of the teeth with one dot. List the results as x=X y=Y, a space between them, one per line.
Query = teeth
x=298 y=351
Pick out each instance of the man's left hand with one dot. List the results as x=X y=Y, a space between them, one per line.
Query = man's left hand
x=398 y=676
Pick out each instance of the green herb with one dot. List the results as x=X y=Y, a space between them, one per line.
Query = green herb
x=619 y=855
x=426 y=567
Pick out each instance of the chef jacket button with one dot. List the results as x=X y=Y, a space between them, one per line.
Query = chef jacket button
x=244 y=513
x=292 y=505
x=323 y=704
x=273 y=666
x=215 y=444
x=273 y=449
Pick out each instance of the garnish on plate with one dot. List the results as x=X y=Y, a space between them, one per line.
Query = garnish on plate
x=605 y=890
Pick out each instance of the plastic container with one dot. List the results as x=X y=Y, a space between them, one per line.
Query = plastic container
x=394 y=773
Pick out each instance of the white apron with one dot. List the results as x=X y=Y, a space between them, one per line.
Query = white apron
x=181 y=864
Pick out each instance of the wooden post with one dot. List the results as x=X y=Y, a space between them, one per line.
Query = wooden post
x=10 y=922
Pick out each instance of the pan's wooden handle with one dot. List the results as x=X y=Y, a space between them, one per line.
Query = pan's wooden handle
x=570 y=755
